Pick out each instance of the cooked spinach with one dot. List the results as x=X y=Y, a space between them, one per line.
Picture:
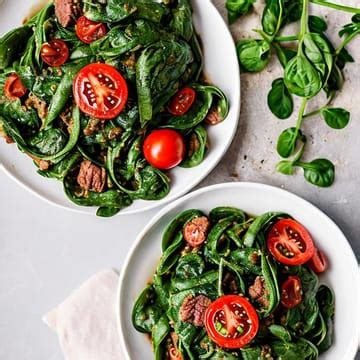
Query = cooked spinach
x=234 y=252
x=154 y=45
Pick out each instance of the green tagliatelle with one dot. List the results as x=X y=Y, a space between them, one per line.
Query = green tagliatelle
x=153 y=45
x=233 y=256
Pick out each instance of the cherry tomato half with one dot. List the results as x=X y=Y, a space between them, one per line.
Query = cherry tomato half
x=174 y=354
x=100 y=91
x=88 y=31
x=291 y=292
x=14 y=88
x=55 y=52
x=182 y=101
x=231 y=321
x=290 y=243
x=318 y=263
x=164 y=149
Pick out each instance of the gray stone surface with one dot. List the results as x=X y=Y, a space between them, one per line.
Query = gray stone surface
x=46 y=252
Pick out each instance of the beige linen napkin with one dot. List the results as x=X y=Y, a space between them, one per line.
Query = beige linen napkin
x=86 y=321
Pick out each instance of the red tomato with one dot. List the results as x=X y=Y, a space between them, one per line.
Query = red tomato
x=290 y=243
x=100 y=91
x=182 y=101
x=55 y=52
x=88 y=31
x=291 y=292
x=231 y=321
x=14 y=88
x=164 y=149
x=318 y=263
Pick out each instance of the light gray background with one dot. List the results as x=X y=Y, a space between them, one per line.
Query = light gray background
x=46 y=252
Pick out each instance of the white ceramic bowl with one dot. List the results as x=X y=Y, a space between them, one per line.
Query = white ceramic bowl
x=342 y=275
x=221 y=66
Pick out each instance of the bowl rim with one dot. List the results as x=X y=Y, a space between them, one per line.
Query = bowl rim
x=353 y=346
x=150 y=205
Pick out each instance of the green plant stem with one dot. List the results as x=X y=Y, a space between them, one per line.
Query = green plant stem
x=313 y=113
x=286 y=38
x=301 y=113
x=304 y=19
x=346 y=42
x=263 y=34
x=337 y=6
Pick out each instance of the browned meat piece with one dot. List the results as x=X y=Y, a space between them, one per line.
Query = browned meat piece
x=195 y=231
x=259 y=292
x=194 y=145
x=193 y=309
x=67 y=11
x=34 y=102
x=8 y=139
x=213 y=117
x=91 y=177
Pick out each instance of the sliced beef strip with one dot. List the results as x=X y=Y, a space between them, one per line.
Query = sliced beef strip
x=67 y=11
x=193 y=309
x=91 y=177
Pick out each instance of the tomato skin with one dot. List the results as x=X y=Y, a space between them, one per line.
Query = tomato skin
x=100 y=91
x=14 y=88
x=224 y=304
x=290 y=243
x=291 y=292
x=55 y=52
x=164 y=149
x=318 y=263
x=89 y=31
x=182 y=101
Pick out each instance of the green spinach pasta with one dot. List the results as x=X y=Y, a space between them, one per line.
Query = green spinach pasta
x=107 y=96
x=234 y=286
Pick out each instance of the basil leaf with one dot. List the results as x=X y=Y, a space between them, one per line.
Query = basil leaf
x=317 y=24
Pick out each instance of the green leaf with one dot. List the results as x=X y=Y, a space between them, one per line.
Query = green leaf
x=272 y=16
x=319 y=172
x=237 y=8
x=317 y=24
x=287 y=142
x=253 y=55
x=336 y=118
x=285 y=167
x=280 y=100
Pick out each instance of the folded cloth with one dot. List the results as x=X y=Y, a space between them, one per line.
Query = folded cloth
x=86 y=321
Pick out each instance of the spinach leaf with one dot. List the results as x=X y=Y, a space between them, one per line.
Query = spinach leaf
x=280 y=100
x=319 y=172
x=336 y=118
x=288 y=140
x=120 y=40
x=196 y=147
x=12 y=44
x=48 y=142
x=145 y=313
x=181 y=23
x=253 y=55
x=317 y=24
x=302 y=78
x=158 y=70
x=272 y=16
x=237 y=8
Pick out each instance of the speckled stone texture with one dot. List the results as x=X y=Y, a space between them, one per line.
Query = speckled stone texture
x=252 y=155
